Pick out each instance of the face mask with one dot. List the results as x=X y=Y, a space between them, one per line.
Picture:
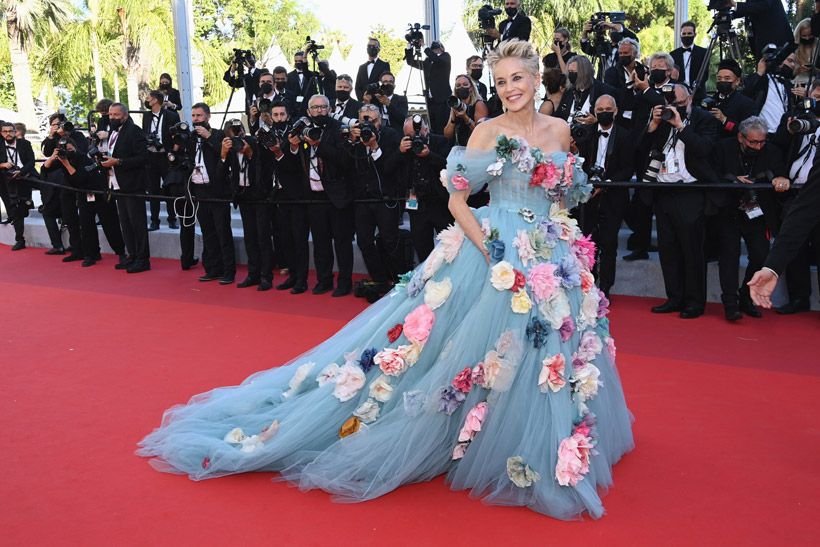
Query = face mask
x=301 y=65
x=616 y=37
x=724 y=88
x=388 y=89
x=201 y=124
x=266 y=88
x=687 y=40
x=624 y=60
x=280 y=126
x=320 y=119
x=658 y=75
x=511 y=12
x=806 y=41
x=147 y=105
x=785 y=72
x=164 y=85
x=343 y=95
x=559 y=43
x=462 y=93
x=476 y=73
x=681 y=111
x=114 y=124
x=373 y=51
x=572 y=77
x=750 y=152
x=605 y=119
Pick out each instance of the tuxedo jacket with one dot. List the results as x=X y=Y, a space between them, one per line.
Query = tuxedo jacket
x=736 y=107
x=436 y=72
x=362 y=80
x=173 y=97
x=518 y=27
x=169 y=119
x=351 y=110
x=397 y=111
x=768 y=20
x=18 y=189
x=756 y=87
x=375 y=179
x=625 y=96
x=131 y=150
x=305 y=90
x=620 y=153
x=695 y=62
x=229 y=171
x=729 y=163
x=218 y=186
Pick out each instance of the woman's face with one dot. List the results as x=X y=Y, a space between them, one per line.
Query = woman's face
x=516 y=86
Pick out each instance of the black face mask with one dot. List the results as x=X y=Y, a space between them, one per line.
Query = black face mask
x=372 y=51
x=605 y=119
x=559 y=43
x=320 y=119
x=281 y=85
x=462 y=93
x=147 y=105
x=681 y=111
x=279 y=126
x=266 y=88
x=476 y=73
x=724 y=88
x=750 y=152
x=806 y=41
x=388 y=89
x=658 y=76
x=572 y=77
x=785 y=72
x=687 y=40
x=114 y=124
x=301 y=65
x=201 y=124
x=342 y=95
x=164 y=85
x=511 y=12
x=624 y=60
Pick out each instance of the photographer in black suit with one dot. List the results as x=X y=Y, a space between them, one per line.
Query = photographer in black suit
x=728 y=106
x=516 y=25
x=771 y=92
x=436 y=68
x=393 y=107
x=766 y=22
x=272 y=88
x=327 y=80
x=475 y=68
x=622 y=78
x=608 y=155
x=299 y=83
x=18 y=161
x=689 y=58
x=423 y=156
x=171 y=99
x=127 y=152
x=583 y=91
x=371 y=71
x=242 y=72
x=156 y=124
x=346 y=109
x=678 y=142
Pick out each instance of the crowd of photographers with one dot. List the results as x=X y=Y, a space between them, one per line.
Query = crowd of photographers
x=337 y=158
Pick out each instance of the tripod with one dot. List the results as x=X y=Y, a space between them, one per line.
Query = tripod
x=418 y=64
x=236 y=84
x=726 y=40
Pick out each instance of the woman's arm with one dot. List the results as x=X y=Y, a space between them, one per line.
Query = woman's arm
x=547 y=107
x=481 y=111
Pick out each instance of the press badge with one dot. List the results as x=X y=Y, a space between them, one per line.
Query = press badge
x=196 y=176
x=412 y=203
x=300 y=98
x=670 y=167
x=90 y=197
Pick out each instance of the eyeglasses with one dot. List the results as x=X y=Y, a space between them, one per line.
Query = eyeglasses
x=755 y=143
x=8 y=131
x=318 y=107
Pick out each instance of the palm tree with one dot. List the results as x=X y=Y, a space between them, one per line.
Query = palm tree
x=29 y=22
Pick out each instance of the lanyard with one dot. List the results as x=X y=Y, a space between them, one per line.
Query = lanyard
x=12 y=155
x=156 y=123
x=784 y=99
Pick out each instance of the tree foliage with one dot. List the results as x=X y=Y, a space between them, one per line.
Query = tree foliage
x=392 y=47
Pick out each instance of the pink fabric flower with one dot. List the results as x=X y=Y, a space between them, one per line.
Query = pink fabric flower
x=460 y=182
x=539 y=175
x=551 y=176
x=587 y=281
x=460 y=450
x=567 y=328
x=573 y=459
x=543 y=281
x=584 y=249
x=478 y=375
x=552 y=374
x=418 y=323
x=472 y=423
x=610 y=345
x=568 y=169
x=464 y=380
x=390 y=361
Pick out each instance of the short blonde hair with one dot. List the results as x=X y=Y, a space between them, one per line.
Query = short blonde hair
x=515 y=48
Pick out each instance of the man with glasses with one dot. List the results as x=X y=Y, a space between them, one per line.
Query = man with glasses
x=18 y=161
x=392 y=108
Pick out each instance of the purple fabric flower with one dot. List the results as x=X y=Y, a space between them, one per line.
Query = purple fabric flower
x=603 y=305
x=552 y=232
x=537 y=331
x=569 y=272
x=567 y=328
x=450 y=399
x=496 y=249
x=366 y=360
x=415 y=285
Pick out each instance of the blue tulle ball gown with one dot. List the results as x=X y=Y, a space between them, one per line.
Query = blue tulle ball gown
x=502 y=377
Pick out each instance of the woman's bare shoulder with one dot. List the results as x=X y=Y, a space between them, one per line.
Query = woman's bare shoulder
x=485 y=135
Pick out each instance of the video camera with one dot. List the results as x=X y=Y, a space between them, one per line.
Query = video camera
x=601 y=45
x=312 y=48
x=487 y=15
x=241 y=57
x=304 y=128
x=804 y=121
x=415 y=35
x=774 y=57
x=419 y=142
x=180 y=133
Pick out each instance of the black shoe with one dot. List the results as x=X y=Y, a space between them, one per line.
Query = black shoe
x=172 y=224
x=691 y=313
x=341 y=291
x=321 y=288
x=55 y=251
x=264 y=285
x=227 y=280
x=794 y=306
x=72 y=258
x=123 y=264
x=19 y=246
x=288 y=283
x=299 y=288
x=667 y=307
x=732 y=312
x=153 y=227
x=748 y=307
x=88 y=262
x=248 y=282
x=97 y=257
x=210 y=277
x=636 y=255
x=5 y=221
x=193 y=263
x=137 y=268
x=652 y=249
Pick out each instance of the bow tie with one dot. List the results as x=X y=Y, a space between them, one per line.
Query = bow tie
x=689 y=49
x=340 y=104
x=603 y=134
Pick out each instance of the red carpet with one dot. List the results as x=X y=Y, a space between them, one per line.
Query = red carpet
x=728 y=447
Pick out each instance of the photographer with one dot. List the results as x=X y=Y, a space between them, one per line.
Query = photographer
x=766 y=21
x=555 y=82
x=516 y=25
x=423 y=156
x=242 y=72
x=678 y=142
x=436 y=68
x=583 y=91
x=241 y=170
x=125 y=162
x=561 y=50
x=393 y=107
x=82 y=173
x=475 y=68
x=370 y=72
x=347 y=108
x=466 y=110
x=622 y=78
x=327 y=81
x=272 y=87
x=746 y=159
x=18 y=162
x=607 y=50
x=728 y=106
x=608 y=155
x=375 y=151
x=689 y=58
x=299 y=83
x=171 y=99
x=155 y=125
x=770 y=88
x=101 y=108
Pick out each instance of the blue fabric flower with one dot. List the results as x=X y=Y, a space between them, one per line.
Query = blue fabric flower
x=552 y=232
x=414 y=402
x=569 y=272
x=537 y=332
x=450 y=399
x=415 y=285
x=366 y=360
x=496 y=249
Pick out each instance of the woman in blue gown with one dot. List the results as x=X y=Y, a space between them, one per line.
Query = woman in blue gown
x=491 y=362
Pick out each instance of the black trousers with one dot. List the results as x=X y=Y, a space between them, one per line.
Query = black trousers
x=109 y=220
x=680 y=245
x=332 y=232
x=610 y=209
x=732 y=225
x=218 y=256
x=439 y=113
x=295 y=232
x=155 y=170
x=53 y=229
x=282 y=243
x=369 y=218
x=256 y=223
x=134 y=228
x=431 y=217
x=4 y=197
x=639 y=219
x=798 y=272
x=71 y=220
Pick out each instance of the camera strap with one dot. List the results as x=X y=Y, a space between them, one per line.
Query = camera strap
x=805 y=154
x=156 y=124
x=14 y=157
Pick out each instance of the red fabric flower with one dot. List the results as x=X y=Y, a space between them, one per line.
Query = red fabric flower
x=464 y=380
x=520 y=281
x=394 y=333
x=539 y=175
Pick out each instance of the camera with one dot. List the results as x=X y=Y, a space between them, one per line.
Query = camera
x=153 y=141
x=804 y=121
x=180 y=133
x=62 y=151
x=368 y=130
x=242 y=57
x=487 y=15
x=95 y=154
x=418 y=143
x=774 y=57
x=304 y=128
x=656 y=158
x=268 y=138
x=580 y=132
x=311 y=47
x=708 y=103
x=414 y=35
x=374 y=89
x=264 y=106
x=718 y=5
x=596 y=173
x=456 y=103
x=66 y=126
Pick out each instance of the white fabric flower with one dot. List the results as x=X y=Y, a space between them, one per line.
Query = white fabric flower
x=442 y=176
x=301 y=373
x=270 y=431
x=495 y=169
x=497 y=372
x=251 y=444
x=380 y=389
x=521 y=474
x=521 y=302
x=234 y=436
x=555 y=309
x=525 y=251
x=368 y=411
x=451 y=239
x=486 y=229
x=585 y=381
x=437 y=293
x=410 y=352
x=348 y=382
x=328 y=374
x=588 y=315
x=502 y=276
x=434 y=261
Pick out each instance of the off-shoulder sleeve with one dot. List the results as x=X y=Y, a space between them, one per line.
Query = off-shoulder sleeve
x=579 y=188
x=467 y=169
